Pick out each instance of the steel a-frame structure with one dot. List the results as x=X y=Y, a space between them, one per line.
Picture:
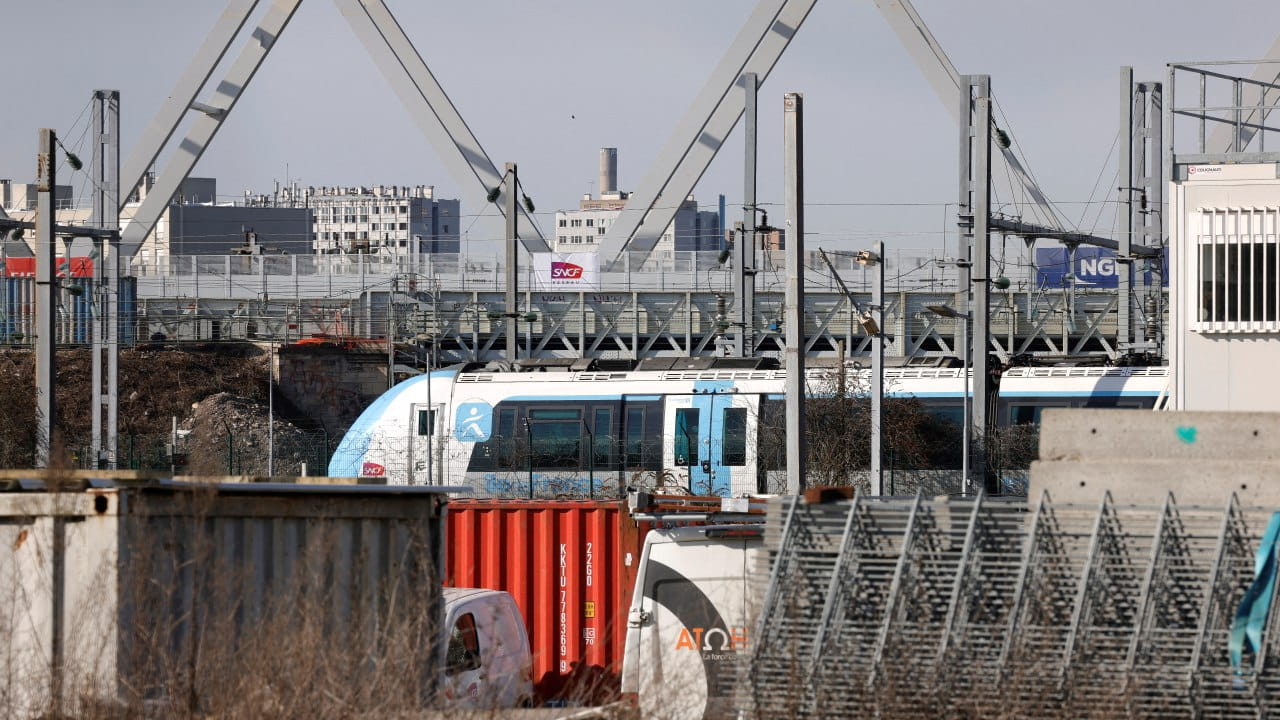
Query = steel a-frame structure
x=385 y=41
x=727 y=95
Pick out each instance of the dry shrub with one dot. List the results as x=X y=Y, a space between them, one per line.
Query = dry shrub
x=229 y=607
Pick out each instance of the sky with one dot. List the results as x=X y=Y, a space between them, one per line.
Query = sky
x=547 y=84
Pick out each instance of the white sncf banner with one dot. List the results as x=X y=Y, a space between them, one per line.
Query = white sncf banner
x=573 y=271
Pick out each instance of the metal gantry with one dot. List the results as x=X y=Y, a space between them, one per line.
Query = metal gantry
x=927 y=606
x=105 y=166
x=794 y=320
x=46 y=300
x=1139 y=326
x=974 y=215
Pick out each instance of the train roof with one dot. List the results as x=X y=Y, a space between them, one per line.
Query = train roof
x=896 y=373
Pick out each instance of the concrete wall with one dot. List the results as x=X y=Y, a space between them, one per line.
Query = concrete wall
x=1141 y=457
x=331 y=384
x=1217 y=368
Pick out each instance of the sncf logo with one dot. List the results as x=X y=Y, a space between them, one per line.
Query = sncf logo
x=372 y=470
x=561 y=270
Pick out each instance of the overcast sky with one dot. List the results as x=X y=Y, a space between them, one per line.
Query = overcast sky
x=547 y=84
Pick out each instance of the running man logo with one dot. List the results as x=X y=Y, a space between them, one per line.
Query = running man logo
x=561 y=270
x=473 y=422
x=712 y=640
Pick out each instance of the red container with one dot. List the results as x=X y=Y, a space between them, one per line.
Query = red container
x=571 y=566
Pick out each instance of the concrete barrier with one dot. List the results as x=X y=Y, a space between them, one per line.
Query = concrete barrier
x=1201 y=457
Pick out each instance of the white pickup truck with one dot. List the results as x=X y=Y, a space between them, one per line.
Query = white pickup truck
x=486 y=660
x=691 y=620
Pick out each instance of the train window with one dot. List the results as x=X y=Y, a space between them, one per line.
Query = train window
x=555 y=437
x=771 y=436
x=953 y=414
x=1111 y=401
x=481 y=456
x=1030 y=414
x=635 y=437
x=602 y=432
x=543 y=414
x=426 y=422
x=734 y=441
x=686 y=451
x=1024 y=415
x=506 y=437
x=654 y=446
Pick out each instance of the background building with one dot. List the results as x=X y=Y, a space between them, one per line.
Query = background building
x=193 y=223
x=389 y=219
x=582 y=230
x=21 y=197
x=194 y=229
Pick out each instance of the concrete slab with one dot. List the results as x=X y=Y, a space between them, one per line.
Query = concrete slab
x=1079 y=434
x=1207 y=483
x=1140 y=457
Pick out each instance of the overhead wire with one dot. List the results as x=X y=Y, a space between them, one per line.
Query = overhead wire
x=1056 y=219
x=75 y=123
x=1101 y=171
x=1102 y=206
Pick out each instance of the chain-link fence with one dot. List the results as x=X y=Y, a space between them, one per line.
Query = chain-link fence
x=230 y=452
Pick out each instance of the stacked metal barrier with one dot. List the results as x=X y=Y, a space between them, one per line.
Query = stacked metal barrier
x=941 y=607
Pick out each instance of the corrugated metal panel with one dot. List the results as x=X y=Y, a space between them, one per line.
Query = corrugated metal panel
x=571 y=566
x=75 y=316
x=87 y=574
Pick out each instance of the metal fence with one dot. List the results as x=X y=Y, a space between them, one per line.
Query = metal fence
x=297 y=452
x=214 y=276
x=956 y=607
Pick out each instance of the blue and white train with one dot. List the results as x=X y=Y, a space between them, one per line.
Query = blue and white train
x=510 y=433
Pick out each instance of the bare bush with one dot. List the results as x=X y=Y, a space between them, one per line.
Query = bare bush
x=838 y=435
x=224 y=606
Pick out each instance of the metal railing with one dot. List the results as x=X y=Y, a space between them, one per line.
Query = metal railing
x=1210 y=96
x=683 y=271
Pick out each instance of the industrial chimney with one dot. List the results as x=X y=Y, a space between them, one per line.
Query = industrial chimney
x=608 y=170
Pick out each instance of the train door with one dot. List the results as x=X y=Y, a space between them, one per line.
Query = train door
x=733 y=442
x=639 y=444
x=424 y=440
x=708 y=439
x=682 y=437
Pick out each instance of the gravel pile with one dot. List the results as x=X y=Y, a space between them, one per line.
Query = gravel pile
x=228 y=436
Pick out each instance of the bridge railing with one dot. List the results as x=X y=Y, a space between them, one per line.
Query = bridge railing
x=907 y=270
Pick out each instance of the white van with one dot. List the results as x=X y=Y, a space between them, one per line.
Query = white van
x=486 y=660
x=691 y=619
